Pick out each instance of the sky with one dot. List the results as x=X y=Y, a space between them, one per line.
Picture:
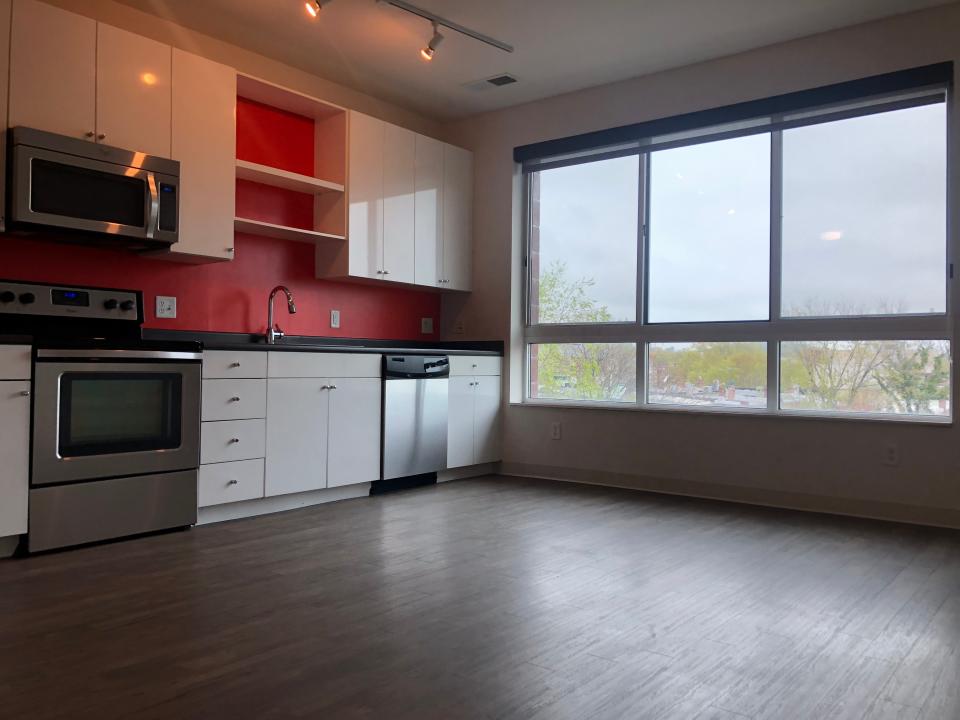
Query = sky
x=864 y=222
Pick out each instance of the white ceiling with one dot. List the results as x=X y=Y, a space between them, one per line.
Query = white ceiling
x=561 y=45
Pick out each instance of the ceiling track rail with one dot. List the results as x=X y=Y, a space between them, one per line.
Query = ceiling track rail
x=449 y=24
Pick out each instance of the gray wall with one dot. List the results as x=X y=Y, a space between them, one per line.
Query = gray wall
x=798 y=462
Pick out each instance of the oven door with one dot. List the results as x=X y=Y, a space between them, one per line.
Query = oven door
x=57 y=189
x=102 y=419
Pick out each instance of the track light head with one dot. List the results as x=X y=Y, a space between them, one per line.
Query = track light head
x=313 y=7
x=430 y=50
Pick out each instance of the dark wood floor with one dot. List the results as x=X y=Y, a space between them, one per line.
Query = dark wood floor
x=493 y=598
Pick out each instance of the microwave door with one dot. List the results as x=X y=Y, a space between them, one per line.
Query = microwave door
x=78 y=193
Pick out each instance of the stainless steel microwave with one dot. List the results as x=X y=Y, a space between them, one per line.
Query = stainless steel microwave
x=78 y=185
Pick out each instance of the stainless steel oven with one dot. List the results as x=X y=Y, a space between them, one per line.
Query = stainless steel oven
x=67 y=183
x=111 y=413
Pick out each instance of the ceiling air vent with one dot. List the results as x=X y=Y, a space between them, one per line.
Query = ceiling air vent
x=491 y=82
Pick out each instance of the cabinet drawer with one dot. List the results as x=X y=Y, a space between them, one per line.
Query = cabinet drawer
x=232 y=440
x=234 y=399
x=14 y=362
x=234 y=364
x=475 y=365
x=231 y=482
x=323 y=365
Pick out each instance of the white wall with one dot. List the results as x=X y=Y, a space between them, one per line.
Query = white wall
x=798 y=462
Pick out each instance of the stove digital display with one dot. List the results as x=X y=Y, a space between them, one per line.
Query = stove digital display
x=75 y=298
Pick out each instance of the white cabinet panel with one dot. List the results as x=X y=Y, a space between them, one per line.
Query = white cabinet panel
x=14 y=456
x=133 y=91
x=486 y=419
x=230 y=482
x=365 y=195
x=297 y=422
x=322 y=365
x=204 y=141
x=475 y=365
x=457 y=217
x=14 y=362
x=398 y=199
x=354 y=437
x=234 y=399
x=231 y=440
x=53 y=70
x=428 y=208
x=460 y=422
x=234 y=364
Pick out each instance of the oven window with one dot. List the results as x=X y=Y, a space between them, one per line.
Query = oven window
x=77 y=192
x=104 y=413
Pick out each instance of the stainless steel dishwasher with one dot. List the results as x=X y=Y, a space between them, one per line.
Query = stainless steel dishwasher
x=414 y=415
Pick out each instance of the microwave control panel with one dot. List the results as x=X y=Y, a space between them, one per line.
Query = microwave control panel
x=17 y=298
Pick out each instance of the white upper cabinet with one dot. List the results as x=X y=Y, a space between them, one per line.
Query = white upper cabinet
x=53 y=70
x=457 y=218
x=365 y=189
x=133 y=91
x=204 y=141
x=428 y=211
x=398 y=204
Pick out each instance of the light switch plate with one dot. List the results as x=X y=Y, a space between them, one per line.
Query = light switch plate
x=426 y=326
x=334 y=318
x=166 y=306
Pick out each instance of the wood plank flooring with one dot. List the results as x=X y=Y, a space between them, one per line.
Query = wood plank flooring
x=493 y=598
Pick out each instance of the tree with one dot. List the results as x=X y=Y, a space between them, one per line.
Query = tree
x=834 y=372
x=915 y=375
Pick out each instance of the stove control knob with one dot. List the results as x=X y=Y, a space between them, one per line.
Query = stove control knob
x=127 y=305
x=7 y=296
x=110 y=304
x=27 y=298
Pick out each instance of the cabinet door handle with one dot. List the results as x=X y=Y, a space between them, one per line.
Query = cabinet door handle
x=234 y=440
x=235 y=364
x=229 y=249
x=231 y=482
x=234 y=399
x=333 y=387
x=324 y=387
x=25 y=393
x=90 y=133
x=102 y=136
x=386 y=272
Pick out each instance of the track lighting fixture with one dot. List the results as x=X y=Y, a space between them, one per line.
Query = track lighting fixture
x=314 y=7
x=430 y=50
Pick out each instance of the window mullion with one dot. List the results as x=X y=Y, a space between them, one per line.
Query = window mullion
x=776 y=265
x=643 y=235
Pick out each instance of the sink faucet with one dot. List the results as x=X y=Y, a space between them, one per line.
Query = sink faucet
x=274 y=332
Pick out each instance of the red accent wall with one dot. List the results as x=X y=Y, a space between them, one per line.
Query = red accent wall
x=230 y=296
x=273 y=137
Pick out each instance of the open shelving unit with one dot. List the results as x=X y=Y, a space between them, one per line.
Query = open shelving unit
x=320 y=165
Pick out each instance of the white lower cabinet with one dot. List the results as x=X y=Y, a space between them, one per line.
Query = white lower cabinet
x=473 y=420
x=230 y=482
x=14 y=456
x=353 y=450
x=297 y=421
x=229 y=440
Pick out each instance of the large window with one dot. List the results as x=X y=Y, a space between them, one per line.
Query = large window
x=796 y=263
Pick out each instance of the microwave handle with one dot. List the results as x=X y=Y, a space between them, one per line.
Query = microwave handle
x=153 y=223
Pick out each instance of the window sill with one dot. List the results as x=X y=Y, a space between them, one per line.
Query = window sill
x=931 y=420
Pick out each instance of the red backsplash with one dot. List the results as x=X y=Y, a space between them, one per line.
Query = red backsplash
x=230 y=296
x=273 y=137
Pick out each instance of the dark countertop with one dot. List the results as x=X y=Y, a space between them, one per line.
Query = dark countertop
x=16 y=340
x=306 y=343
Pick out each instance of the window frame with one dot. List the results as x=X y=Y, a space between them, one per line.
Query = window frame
x=774 y=331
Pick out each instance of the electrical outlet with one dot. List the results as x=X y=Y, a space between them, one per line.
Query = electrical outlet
x=166 y=306
x=555 y=431
x=334 y=318
x=891 y=454
x=426 y=326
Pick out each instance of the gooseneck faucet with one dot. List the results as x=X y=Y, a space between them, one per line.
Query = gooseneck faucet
x=274 y=332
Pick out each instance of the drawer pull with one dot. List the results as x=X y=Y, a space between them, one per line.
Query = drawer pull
x=234 y=440
x=231 y=482
x=236 y=364
x=25 y=393
x=234 y=399
x=333 y=387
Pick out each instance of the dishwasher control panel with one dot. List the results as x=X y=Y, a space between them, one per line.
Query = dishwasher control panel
x=415 y=366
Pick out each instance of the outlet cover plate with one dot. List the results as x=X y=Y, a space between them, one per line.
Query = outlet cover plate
x=334 y=318
x=166 y=306
x=426 y=326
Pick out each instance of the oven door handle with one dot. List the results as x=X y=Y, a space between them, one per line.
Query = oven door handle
x=153 y=223
x=117 y=355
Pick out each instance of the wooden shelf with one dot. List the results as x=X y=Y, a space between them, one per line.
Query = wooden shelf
x=282 y=232
x=284 y=179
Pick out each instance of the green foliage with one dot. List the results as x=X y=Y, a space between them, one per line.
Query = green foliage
x=915 y=377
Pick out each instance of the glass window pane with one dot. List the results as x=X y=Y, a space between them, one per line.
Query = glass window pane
x=716 y=374
x=710 y=232
x=583 y=243
x=864 y=215
x=584 y=371
x=902 y=377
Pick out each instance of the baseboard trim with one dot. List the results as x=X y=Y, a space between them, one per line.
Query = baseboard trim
x=279 y=503
x=850 y=507
x=470 y=471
